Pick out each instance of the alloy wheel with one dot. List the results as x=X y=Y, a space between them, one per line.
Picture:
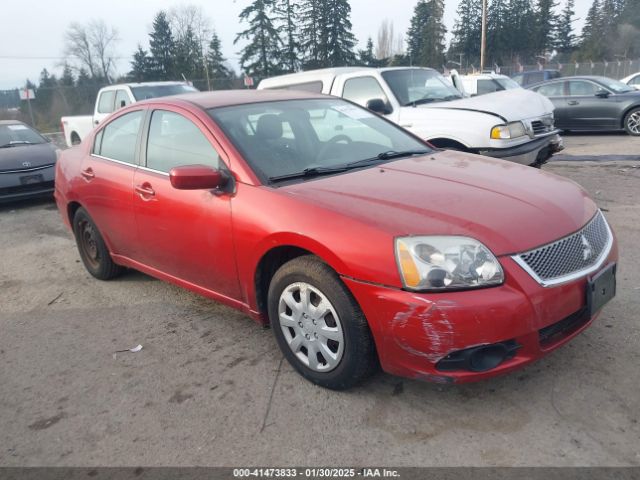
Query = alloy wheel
x=633 y=123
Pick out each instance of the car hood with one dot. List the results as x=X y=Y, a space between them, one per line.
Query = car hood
x=17 y=158
x=510 y=105
x=508 y=207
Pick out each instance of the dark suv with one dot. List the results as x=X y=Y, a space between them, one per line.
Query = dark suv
x=535 y=76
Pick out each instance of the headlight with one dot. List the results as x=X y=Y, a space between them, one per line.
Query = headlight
x=443 y=262
x=511 y=130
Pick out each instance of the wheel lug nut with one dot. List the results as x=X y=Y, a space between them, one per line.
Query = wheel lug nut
x=313 y=321
x=300 y=324
x=307 y=336
x=315 y=334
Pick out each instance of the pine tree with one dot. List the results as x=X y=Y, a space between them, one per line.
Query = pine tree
x=261 y=56
x=591 y=42
x=337 y=39
x=287 y=11
x=162 y=47
x=499 y=47
x=521 y=18
x=565 y=39
x=188 y=61
x=367 y=57
x=466 y=31
x=310 y=19
x=425 y=37
x=546 y=25
x=140 y=65
x=67 y=79
x=218 y=71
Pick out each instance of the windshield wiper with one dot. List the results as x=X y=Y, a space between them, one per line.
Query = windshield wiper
x=393 y=154
x=15 y=144
x=310 y=172
x=421 y=101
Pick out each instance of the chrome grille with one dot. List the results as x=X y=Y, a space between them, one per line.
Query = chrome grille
x=539 y=127
x=569 y=257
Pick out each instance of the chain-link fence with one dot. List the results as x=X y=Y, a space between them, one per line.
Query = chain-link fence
x=616 y=69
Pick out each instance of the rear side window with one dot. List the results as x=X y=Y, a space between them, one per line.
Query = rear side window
x=488 y=86
x=362 y=89
x=117 y=140
x=122 y=99
x=313 y=87
x=551 y=90
x=175 y=141
x=105 y=104
x=635 y=80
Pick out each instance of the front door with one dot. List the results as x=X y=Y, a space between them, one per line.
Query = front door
x=183 y=233
x=587 y=111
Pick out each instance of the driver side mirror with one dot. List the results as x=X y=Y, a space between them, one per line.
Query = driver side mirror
x=197 y=177
x=379 y=106
x=602 y=93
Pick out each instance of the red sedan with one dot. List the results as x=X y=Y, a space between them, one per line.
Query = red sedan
x=356 y=241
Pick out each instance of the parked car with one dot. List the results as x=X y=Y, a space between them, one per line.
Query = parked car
x=114 y=97
x=593 y=103
x=632 y=80
x=351 y=237
x=524 y=79
x=514 y=125
x=27 y=162
x=482 y=83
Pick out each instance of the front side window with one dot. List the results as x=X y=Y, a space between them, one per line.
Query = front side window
x=105 y=104
x=362 y=89
x=551 y=90
x=416 y=86
x=288 y=137
x=117 y=140
x=581 y=88
x=175 y=141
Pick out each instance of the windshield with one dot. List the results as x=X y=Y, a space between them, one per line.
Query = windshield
x=616 y=86
x=293 y=136
x=19 y=134
x=154 y=91
x=416 y=86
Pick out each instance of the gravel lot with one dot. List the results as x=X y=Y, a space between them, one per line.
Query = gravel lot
x=210 y=387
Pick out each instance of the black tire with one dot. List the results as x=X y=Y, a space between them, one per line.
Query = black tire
x=359 y=358
x=633 y=116
x=93 y=251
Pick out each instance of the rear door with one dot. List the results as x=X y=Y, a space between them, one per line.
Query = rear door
x=107 y=180
x=185 y=234
x=555 y=91
x=586 y=111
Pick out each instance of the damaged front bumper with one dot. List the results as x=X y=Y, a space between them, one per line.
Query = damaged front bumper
x=534 y=153
x=432 y=336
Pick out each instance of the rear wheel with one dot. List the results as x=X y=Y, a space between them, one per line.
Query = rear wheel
x=632 y=122
x=75 y=139
x=93 y=251
x=319 y=326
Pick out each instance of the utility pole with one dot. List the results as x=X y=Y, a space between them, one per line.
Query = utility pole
x=483 y=40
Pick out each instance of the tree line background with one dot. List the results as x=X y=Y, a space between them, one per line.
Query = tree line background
x=282 y=36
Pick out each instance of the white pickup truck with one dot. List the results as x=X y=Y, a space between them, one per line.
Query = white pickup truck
x=511 y=124
x=112 y=98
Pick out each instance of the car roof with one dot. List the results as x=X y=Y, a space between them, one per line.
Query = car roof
x=227 y=98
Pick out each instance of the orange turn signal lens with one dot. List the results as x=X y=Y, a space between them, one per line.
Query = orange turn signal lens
x=408 y=267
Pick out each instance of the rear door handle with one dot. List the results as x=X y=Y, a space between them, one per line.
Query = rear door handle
x=145 y=191
x=574 y=102
x=88 y=174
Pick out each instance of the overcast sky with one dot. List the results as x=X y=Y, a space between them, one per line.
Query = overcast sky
x=31 y=31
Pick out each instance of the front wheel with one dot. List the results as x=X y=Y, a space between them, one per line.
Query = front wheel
x=93 y=251
x=632 y=122
x=319 y=326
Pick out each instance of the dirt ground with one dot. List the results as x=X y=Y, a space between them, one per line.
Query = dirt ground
x=209 y=386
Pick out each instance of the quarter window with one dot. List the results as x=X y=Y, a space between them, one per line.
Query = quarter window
x=105 y=104
x=581 y=88
x=362 y=89
x=635 y=80
x=175 y=141
x=117 y=140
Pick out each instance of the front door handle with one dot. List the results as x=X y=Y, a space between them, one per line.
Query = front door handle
x=574 y=102
x=145 y=191
x=88 y=174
